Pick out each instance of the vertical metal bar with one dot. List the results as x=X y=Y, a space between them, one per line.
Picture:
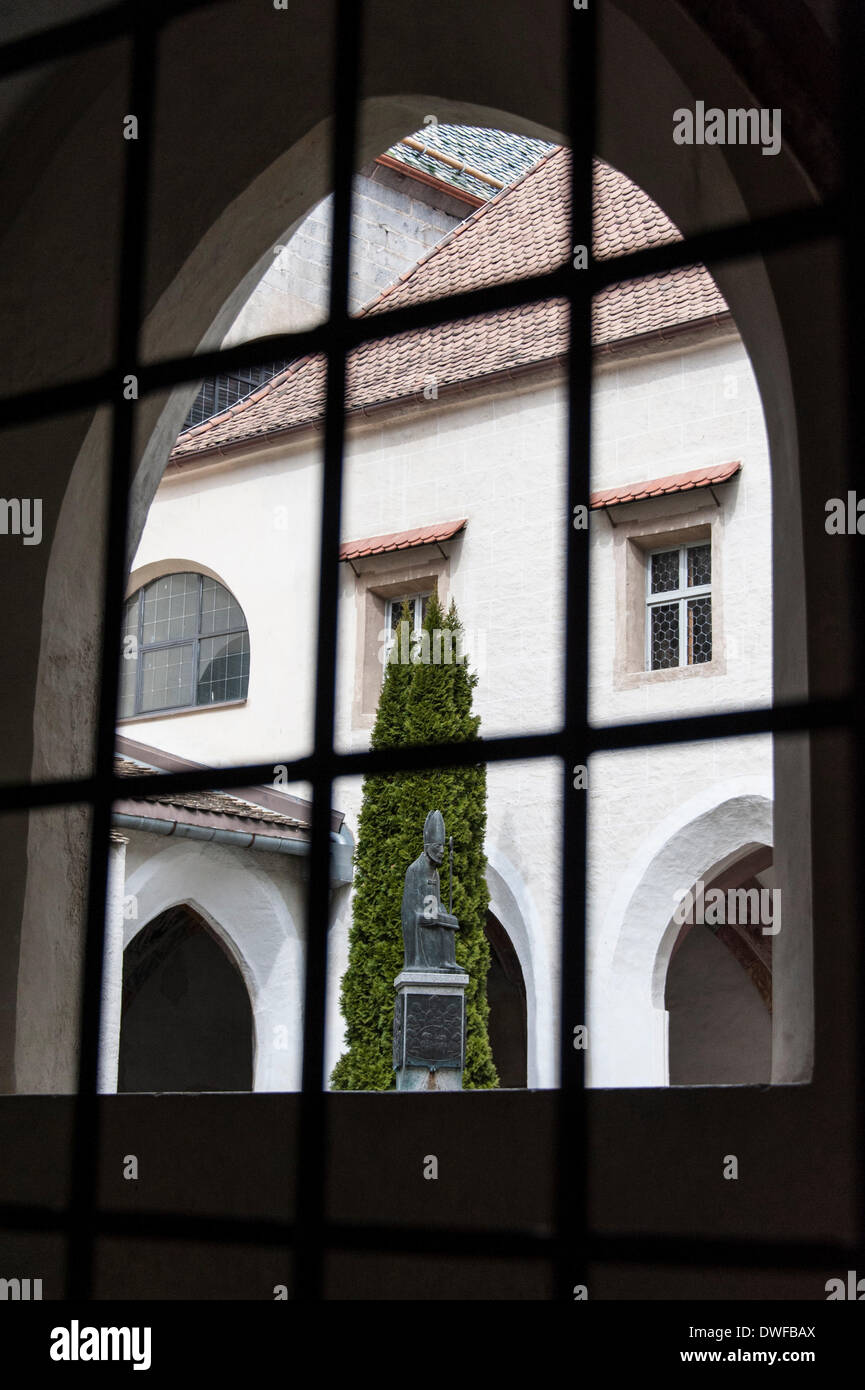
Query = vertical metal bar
x=312 y=1154
x=570 y=1185
x=852 y=144
x=85 y=1154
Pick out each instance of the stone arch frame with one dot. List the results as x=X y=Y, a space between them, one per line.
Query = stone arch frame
x=393 y=117
x=45 y=898
x=245 y=910
x=709 y=876
x=705 y=186
x=696 y=840
x=157 y=569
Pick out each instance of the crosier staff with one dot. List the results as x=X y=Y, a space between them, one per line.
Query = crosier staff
x=451 y=876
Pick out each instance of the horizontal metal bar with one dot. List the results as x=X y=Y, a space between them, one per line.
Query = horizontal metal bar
x=793 y=718
x=762 y=236
x=697 y=1251
x=639 y=1250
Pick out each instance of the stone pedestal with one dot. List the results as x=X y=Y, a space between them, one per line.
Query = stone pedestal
x=429 y=1030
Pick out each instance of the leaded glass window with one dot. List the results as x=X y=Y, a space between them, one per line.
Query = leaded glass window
x=679 y=607
x=185 y=643
x=221 y=392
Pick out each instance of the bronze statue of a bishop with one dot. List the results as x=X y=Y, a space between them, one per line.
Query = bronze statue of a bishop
x=427 y=930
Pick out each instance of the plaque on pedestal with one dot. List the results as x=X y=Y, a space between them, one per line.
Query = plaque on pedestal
x=429 y=1020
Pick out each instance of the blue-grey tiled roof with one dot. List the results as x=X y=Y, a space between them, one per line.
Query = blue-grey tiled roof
x=496 y=152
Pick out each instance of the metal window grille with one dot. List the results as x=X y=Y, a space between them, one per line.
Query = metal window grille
x=571 y=1243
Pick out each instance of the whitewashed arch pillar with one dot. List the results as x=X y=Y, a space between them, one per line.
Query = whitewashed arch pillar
x=511 y=902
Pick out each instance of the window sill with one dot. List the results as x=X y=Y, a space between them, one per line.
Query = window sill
x=635 y=680
x=184 y=709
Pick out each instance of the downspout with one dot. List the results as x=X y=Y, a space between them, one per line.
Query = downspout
x=342 y=855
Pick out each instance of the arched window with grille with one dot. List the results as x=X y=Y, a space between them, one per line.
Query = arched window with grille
x=185 y=644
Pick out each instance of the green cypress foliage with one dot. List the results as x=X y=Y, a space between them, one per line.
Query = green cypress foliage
x=428 y=700
x=375 y=939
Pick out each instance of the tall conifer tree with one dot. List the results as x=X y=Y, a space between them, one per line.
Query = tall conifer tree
x=375 y=940
x=428 y=700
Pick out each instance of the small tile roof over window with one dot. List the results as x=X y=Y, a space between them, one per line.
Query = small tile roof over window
x=210 y=803
x=400 y=540
x=496 y=152
x=661 y=487
x=523 y=231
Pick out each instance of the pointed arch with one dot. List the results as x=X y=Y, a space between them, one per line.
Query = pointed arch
x=255 y=920
x=699 y=839
x=186 y=1020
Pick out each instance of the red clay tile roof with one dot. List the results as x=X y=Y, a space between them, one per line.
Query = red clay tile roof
x=523 y=231
x=659 y=487
x=401 y=540
x=212 y=804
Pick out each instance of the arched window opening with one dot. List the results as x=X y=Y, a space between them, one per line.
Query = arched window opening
x=185 y=644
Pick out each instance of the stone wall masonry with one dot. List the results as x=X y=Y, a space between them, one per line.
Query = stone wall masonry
x=396 y=220
x=442 y=209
